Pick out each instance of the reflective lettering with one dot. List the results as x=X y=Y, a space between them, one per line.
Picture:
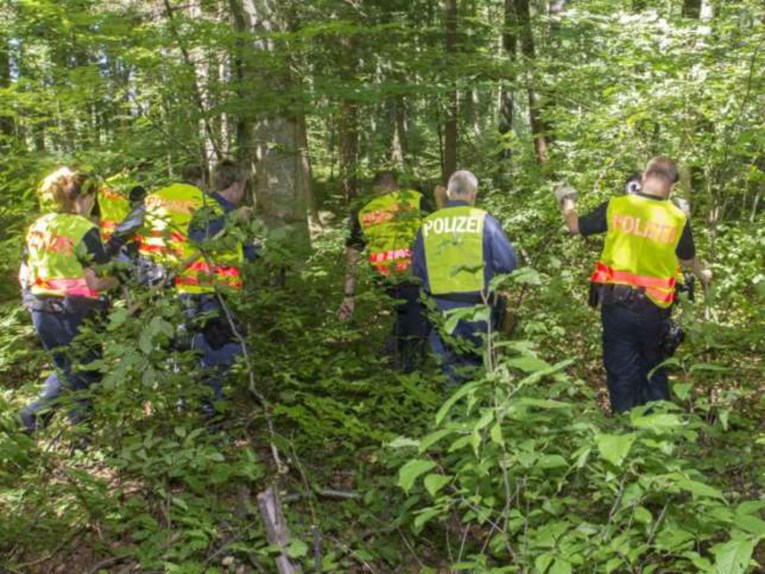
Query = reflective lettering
x=650 y=229
x=456 y=224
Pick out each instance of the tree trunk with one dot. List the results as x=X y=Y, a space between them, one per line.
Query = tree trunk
x=692 y=9
x=276 y=136
x=452 y=105
x=349 y=148
x=348 y=124
x=507 y=100
x=7 y=125
x=539 y=128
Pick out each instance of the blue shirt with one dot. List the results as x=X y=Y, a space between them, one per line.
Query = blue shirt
x=213 y=225
x=499 y=257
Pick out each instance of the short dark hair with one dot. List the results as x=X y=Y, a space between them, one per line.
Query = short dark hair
x=386 y=179
x=226 y=174
x=663 y=168
x=192 y=173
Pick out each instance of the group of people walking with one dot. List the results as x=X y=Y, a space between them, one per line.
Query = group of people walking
x=438 y=265
x=172 y=239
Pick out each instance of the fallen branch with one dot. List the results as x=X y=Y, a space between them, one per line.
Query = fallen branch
x=277 y=531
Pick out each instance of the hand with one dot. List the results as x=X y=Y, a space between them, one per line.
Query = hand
x=345 y=311
x=565 y=192
x=705 y=276
x=243 y=213
x=440 y=196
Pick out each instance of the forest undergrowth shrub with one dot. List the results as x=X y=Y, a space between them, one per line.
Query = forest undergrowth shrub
x=514 y=477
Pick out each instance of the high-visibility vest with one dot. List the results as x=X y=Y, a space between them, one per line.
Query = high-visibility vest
x=453 y=239
x=390 y=223
x=643 y=234
x=54 y=242
x=113 y=208
x=166 y=221
x=216 y=269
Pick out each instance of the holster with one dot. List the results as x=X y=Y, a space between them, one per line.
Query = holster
x=671 y=337
x=594 y=297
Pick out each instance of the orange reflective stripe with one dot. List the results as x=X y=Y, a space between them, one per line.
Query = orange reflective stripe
x=605 y=274
x=384 y=262
x=77 y=287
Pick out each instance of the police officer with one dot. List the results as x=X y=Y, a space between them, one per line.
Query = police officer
x=647 y=236
x=458 y=250
x=213 y=278
x=62 y=289
x=112 y=207
x=163 y=243
x=386 y=227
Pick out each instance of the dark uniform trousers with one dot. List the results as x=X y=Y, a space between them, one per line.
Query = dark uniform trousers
x=57 y=329
x=632 y=332
x=410 y=330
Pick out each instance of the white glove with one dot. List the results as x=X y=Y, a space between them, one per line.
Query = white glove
x=683 y=205
x=565 y=191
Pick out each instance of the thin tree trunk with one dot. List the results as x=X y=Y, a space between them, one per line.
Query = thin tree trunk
x=7 y=125
x=349 y=148
x=507 y=100
x=538 y=127
x=692 y=9
x=452 y=105
x=348 y=125
x=210 y=140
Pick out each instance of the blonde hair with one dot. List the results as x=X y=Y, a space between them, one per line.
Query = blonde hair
x=59 y=189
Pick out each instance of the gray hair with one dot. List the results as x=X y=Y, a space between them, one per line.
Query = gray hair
x=461 y=183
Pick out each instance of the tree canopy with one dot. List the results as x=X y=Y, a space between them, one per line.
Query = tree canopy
x=522 y=469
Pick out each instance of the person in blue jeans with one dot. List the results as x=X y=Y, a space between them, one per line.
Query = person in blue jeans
x=457 y=252
x=209 y=283
x=62 y=290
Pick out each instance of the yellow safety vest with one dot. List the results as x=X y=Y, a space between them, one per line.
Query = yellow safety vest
x=390 y=223
x=54 y=242
x=113 y=208
x=643 y=234
x=219 y=269
x=168 y=213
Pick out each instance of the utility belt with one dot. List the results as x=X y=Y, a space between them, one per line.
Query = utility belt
x=85 y=306
x=634 y=298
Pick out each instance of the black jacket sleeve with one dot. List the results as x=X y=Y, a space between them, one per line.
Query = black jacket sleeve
x=594 y=222
x=94 y=252
x=686 y=248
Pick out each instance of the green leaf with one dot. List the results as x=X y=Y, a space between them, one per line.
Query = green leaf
x=682 y=390
x=424 y=517
x=543 y=561
x=733 y=556
x=461 y=392
x=408 y=473
x=615 y=448
x=699 y=489
x=403 y=442
x=297 y=548
x=496 y=435
x=560 y=566
x=435 y=482
x=433 y=438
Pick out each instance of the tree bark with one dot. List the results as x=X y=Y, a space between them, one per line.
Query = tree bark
x=692 y=9
x=7 y=124
x=277 y=531
x=348 y=123
x=452 y=105
x=276 y=137
x=507 y=100
x=539 y=128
